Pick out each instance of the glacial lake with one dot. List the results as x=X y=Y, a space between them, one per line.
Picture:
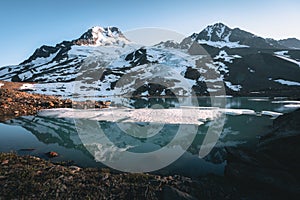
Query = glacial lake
x=36 y=135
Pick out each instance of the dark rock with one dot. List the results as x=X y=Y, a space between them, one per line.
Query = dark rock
x=192 y=74
x=284 y=126
x=283 y=143
x=171 y=193
x=270 y=179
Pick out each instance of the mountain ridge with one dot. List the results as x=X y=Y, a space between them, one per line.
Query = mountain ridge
x=237 y=62
x=88 y=38
x=220 y=35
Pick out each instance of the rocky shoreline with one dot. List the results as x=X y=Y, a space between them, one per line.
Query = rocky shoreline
x=15 y=103
x=28 y=177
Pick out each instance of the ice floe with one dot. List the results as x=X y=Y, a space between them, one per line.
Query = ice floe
x=183 y=115
x=162 y=116
x=259 y=99
x=288 y=105
x=271 y=113
x=27 y=86
x=230 y=111
x=292 y=106
x=287 y=101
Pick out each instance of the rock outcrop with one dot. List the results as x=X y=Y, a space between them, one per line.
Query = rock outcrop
x=274 y=164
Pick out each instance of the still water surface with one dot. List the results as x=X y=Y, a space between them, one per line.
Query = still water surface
x=43 y=134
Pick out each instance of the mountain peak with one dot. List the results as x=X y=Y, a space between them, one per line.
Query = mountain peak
x=291 y=43
x=220 y=35
x=218 y=25
x=216 y=32
x=99 y=36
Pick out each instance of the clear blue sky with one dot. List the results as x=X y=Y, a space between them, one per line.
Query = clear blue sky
x=28 y=24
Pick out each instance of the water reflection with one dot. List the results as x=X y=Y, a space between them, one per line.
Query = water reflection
x=57 y=134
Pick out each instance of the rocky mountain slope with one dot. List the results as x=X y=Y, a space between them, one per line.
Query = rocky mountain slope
x=217 y=61
x=291 y=43
x=220 y=35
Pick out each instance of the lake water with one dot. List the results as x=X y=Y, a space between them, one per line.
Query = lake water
x=44 y=133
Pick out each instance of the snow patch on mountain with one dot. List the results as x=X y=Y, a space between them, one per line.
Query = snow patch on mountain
x=41 y=60
x=225 y=57
x=222 y=44
x=233 y=87
x=108 y=53
x=176 y=58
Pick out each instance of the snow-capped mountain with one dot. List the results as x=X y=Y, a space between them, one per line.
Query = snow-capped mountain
x=96 y=36
x=220 y=35
x=291 y=43
x=103 y=62
x=61 y=63
x=99 y=36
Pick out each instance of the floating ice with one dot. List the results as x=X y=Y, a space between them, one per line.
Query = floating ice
x=281 y=53
x=271 y=113
x=183 y=115
x=292 y=106
x=229 y=111
x=287 y=102
x=27 y=86
x=161 y=116
x=259 y=99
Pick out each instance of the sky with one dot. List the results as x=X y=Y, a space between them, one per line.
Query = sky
x=29 y=24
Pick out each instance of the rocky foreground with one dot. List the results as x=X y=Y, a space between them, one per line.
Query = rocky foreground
x=33 y=178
